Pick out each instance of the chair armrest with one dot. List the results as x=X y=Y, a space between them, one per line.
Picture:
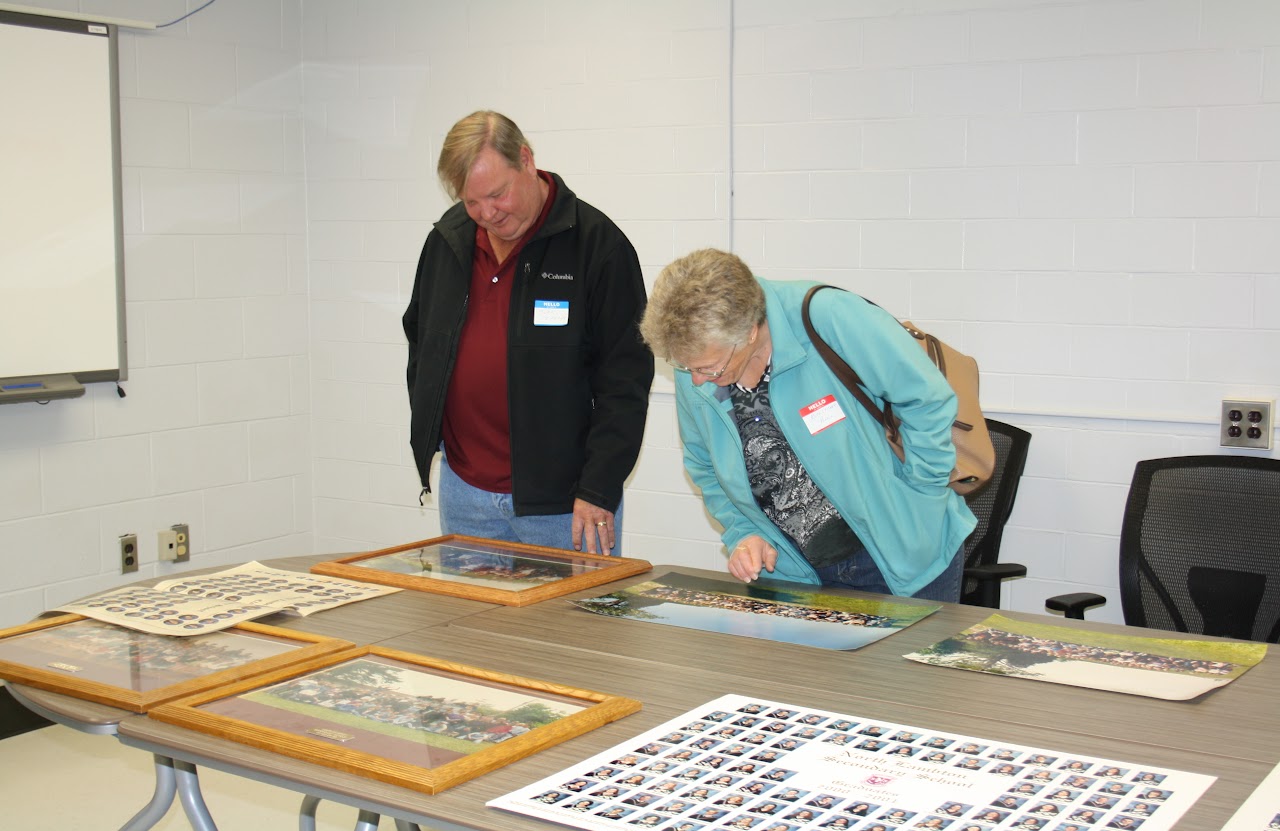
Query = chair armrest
x=989 y=577
x=1074 y=605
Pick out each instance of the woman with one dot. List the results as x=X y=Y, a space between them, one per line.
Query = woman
x=789 y=463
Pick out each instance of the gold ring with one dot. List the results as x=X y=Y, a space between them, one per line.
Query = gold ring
x=601 y=524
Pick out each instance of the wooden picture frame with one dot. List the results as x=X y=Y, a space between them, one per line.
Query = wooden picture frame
x=138 y=671
x=492 y=571
x=380 y=713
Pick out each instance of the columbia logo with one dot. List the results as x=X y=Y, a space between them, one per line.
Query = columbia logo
x=546 y=275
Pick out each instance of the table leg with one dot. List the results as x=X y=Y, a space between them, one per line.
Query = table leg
x=161 y=798
x=307 y=813
x=367 y=821
x=405 y=825
x=192 y=800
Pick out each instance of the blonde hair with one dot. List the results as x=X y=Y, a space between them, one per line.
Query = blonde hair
x=468 y=138
x=705 y=298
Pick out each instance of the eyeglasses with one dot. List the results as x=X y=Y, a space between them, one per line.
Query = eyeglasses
x=707 y=373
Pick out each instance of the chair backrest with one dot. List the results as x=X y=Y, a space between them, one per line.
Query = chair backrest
x=1200 y=546
x=993 y=504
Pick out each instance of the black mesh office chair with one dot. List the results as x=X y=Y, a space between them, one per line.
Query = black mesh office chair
x=992 y=505
x=1199 y=548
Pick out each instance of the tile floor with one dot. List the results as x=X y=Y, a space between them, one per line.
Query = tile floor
x=56 y=778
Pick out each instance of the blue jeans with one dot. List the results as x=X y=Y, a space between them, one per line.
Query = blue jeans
x=465 y=509
x=859 y=571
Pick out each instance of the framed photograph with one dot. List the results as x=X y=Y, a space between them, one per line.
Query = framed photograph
x=509 y=573
x=136 y=671
x=405 y=719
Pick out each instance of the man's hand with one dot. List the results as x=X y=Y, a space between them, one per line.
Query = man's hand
x=594 y=525
x=751 y=555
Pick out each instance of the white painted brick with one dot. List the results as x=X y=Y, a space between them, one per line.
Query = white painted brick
x=771 y=195
x=916 y=40
x=181 y=332
x=1266 y=309
x=813 y=45
x=838 y=195
x=679 y=196
x=159 y=267
x=812 y=147
x=1019 y=348
x=19 y=483
x=1240 y=133
x=189 y=202
x=248 y=513
x=1143 y=26
x=204 y=457
x=962 y=194
x=68 y=545
x=338 y=400
x=154 y=133
x=649 y=150
x=660 y=470
x=387 y=404
x=1018 y=244
x=1237 y=245
x=405 y=77
x=1234 y=357
x=328 y=160
x=376 y=444
x=279 y=447
x=861 y=93
x=1083 y=507
x=275 y=326
x=638 y=55
x=1021 y=139
x=1142 y=136
x=378 y=363
x=399 y=159
x=364 y=119
x=912 y=244
x=701 y=149
x=1200 y=78
x=1040 y=551
x=351 y=200
x=396 y=242
x=963 y=295
x=336 y=240
x=382 y=323
x=1271 y=74
x=967 y=90
x=1076 y=297
x=819 y=244
x=1269 y=190
x=268 y=79
x=1115 y=352
x=1076 y=191
x=160 y=398
x=1193 y=300
x=1237 y=23
x=1057 y=394
x=1196 y=190
x=701 y=53
x=340 y=479
x=272 y=204
x=1025 y=33
x=173 y=69
x=254 y=24
x=1100 y=456
x=240 y=266
x=914 y=143
x=771 y=99
x=231 y=391
x=359 y=281
x=1080 y=84
x=1134 y=245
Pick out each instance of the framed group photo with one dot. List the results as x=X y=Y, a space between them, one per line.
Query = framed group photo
x=507 y=573
x=136 y=671
x=405 y=719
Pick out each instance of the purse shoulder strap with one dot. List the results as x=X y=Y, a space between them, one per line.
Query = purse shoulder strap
x=843 y=371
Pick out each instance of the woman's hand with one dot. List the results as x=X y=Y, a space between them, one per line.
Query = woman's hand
x=749 y=556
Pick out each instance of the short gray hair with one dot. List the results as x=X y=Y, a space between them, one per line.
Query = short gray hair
x=705 y=298
x=468 y=138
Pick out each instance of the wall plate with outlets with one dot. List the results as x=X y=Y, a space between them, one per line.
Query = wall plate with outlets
x=174 y=544
x=128 y=553
x=1246 y=423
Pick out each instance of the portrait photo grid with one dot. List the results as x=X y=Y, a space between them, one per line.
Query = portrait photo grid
x=742 y=763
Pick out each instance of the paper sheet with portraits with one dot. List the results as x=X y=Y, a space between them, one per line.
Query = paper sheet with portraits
x=756 y=765
x=1261 y=811
x=209 y=602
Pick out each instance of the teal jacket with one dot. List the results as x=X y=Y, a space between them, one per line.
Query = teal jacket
x=910 y=521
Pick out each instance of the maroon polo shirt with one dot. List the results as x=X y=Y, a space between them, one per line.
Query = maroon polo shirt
x=477 y=425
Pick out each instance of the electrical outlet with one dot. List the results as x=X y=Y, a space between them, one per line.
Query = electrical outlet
x=128 y=553
x=1246 y=423
x=174 y=544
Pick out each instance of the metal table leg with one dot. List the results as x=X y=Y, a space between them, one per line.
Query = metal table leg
x=161 y=799
x=192 y=800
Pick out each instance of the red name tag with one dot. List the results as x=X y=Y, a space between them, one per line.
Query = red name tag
x=821 y=414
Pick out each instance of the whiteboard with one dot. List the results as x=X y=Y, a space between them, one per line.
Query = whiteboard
x=61 y=274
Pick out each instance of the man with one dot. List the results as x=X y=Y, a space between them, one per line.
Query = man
x=524 y=357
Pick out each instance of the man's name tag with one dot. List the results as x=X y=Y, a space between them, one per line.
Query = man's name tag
x=551 y=313
x=821 y=414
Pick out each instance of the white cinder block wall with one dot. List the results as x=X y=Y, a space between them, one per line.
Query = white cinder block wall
x=1084 y=195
